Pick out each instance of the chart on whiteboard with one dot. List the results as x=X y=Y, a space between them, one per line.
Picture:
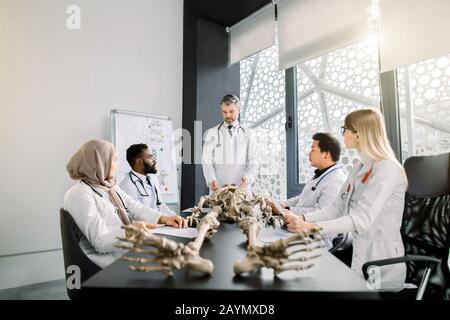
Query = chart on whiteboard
x=159 y=141
x=129 y=127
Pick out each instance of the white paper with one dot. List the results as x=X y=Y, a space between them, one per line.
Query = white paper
x=268 y=235
x=205 y=210
x=177 y=232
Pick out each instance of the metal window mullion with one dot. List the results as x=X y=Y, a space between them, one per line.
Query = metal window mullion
x=445 y=128
x=323 y=66
x=266 y=117
x=323 y=107
x=409 y=108
x=349 y=95
x=390 y=110
x=309 y=74
x=250 y=84
x=322 y=101
x=292 y=169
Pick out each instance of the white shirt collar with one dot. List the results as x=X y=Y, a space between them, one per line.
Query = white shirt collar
x=140 y=176
x=235 y=124
x=335 y=166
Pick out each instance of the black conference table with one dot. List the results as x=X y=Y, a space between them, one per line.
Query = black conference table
x=329 y=277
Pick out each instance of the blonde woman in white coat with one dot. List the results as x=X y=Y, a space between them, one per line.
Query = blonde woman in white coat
x=370 y=203
x=100 y=208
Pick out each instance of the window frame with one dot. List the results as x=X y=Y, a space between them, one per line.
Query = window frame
x=389 y=107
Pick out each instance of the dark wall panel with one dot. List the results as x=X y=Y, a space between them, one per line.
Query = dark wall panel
x=189 y=98
x=206 y=78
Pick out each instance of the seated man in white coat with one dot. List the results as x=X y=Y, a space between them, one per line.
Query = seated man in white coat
x=323 y=188
x=141 y=182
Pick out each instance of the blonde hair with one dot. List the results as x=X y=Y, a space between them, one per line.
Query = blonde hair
x=369 y=126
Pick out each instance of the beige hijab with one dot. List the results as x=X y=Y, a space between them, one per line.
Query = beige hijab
x=92 y=164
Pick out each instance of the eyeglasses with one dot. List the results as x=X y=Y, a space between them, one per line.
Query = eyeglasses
x=343 y=128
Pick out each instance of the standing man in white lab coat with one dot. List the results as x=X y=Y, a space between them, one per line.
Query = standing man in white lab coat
x=323 y=188
x=141 y=182
x=230 y=150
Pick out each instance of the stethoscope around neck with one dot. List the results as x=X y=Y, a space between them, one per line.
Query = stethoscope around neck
x=101 y=196
x=145 y=193
x=218 y=145
x=322 y=177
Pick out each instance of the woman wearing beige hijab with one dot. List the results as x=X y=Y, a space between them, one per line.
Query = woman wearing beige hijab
x=100 y=208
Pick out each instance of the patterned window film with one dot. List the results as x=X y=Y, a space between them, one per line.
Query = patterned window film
x=424 y=98
x=262 y=92
x=328 y=88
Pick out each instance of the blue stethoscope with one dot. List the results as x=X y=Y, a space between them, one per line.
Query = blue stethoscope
x=145 y=194
x=323 y=176
x=218 y=145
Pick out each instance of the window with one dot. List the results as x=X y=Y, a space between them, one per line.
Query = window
x=424 y=103
x=262 y=91
x=328 y=88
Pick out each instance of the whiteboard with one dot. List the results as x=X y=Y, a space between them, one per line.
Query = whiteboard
x=128 y=127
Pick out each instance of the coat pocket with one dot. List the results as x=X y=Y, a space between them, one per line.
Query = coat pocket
x=391 y=277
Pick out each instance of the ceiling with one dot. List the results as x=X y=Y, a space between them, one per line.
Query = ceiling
x=226 y=12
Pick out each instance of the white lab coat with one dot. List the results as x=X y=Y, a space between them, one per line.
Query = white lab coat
x=137 y=187
x=374 y=211
x=97 y=219
x=228 y=158
x=327 y=187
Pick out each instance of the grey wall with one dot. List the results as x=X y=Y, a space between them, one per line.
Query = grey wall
x=57 y=88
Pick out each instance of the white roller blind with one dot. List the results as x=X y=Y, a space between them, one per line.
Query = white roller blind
x=253 y=34
x=413 y=30
x=311 y=28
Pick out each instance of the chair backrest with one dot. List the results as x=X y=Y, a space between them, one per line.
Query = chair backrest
x=73 y=254
x=426 y=218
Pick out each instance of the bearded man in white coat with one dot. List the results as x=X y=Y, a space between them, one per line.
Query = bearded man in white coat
x=230 y=150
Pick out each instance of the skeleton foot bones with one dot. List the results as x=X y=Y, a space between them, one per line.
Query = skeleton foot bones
x=279 y=255
x=168 y=254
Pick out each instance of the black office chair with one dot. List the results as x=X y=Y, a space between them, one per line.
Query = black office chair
x=73 y=255
x=425 y=228
x=342 y=248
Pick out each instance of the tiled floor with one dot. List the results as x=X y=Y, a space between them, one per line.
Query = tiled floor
x=52 y=290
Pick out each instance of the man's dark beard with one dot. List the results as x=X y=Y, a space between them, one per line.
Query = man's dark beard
x=150 y=169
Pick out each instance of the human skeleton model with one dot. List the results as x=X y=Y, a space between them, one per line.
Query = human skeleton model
x=230 y=203
x=235 y=203
x=170 y=254
x=277 y=255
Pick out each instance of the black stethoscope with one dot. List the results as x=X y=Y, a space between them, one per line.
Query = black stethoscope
x=158 y=202
x=99 y=194
x=218 y=145
x=323 y=176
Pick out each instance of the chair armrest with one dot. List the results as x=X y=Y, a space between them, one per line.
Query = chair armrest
x=344 y=243
x=408 y=258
